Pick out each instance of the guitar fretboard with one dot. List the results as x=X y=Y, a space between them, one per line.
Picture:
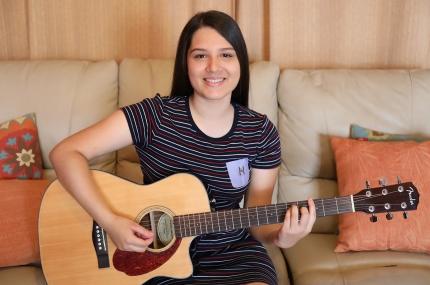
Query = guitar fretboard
x=227 y=220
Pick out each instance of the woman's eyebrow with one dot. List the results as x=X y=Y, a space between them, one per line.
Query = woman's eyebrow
x=202 y=49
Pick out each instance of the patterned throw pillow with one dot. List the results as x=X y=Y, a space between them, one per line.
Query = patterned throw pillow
x=365 y=134
x=20 y=155
x=358 y=161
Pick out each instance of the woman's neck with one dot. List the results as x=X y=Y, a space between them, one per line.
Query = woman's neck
x=213 y=117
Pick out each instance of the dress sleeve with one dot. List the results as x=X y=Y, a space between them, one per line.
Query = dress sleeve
x=269 y=154
x=141 y=118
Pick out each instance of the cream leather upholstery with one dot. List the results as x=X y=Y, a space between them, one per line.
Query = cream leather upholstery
x=70 y=95
x=65 y=95
x=308 y=106
x=316 y=104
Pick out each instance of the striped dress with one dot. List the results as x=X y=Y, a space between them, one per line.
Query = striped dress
x=168 y=141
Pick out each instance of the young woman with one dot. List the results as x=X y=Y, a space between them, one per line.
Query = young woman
x=205 y=128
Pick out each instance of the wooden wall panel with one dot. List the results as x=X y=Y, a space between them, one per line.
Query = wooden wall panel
x=292 y=33
x=253 y=19
x=13 y=30
x=350 y=33
x=100 y=29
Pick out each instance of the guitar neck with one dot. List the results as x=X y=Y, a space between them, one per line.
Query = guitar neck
x=227 y=220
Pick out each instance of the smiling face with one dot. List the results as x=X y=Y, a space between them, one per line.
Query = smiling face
x=213 y=66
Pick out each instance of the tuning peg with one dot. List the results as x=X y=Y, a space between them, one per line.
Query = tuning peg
x=367 y=184
x=405 y=215
x=398 y=180
x=373 y=218
x=389 y=216
x=382 y=182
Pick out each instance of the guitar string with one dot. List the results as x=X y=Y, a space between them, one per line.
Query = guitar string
x=328 y=205
x=268 y=210
x=237 y=217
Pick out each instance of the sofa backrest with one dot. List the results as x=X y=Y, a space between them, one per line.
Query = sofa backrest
x=317 y=104
x=65 y=95
x=139 y=79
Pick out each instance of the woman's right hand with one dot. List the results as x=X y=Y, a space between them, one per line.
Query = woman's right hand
x=128 y=235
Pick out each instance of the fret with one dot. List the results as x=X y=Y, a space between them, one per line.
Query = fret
x=322 y=202
x=190 y=219
x=219 y=224
x=274 y=214
x=225 y=220
x=232 y=220
x=177 y=225
x=258 y=219
x=212 y=222
x=337 y=207
x=249 y=220
x=286 y=208
x=185 y=226
x=267 y=216
x=351 y=197
x=283 y=212
x=240 y=218
x=192 y=225
x=206 y=223
x=200 y=224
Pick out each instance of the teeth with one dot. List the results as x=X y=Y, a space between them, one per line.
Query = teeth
x=214 y=81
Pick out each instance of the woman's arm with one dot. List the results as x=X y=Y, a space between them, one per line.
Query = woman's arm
x=291 y=231
x=70 y=159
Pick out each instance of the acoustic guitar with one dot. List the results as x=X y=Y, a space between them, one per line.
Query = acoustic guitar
x=76 y=250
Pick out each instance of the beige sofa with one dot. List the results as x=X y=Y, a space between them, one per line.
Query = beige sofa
x=70 y=95
x=307 y=106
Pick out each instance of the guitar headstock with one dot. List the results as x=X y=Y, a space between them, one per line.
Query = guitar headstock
x=386 y=199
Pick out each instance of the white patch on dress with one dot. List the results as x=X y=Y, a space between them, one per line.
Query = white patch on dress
x=238 y=171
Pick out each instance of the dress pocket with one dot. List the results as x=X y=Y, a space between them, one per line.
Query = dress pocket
x=238 y=171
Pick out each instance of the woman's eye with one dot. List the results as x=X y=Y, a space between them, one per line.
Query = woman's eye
x=227 y=55
x=199 y=56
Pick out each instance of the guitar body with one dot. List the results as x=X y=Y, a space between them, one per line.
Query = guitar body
x=68 y=254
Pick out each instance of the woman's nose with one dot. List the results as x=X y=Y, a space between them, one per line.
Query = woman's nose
x=213 y=64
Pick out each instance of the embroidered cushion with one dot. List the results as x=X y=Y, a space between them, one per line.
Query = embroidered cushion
x=20 y=155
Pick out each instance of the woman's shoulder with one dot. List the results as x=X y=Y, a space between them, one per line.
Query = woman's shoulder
x=165 y=100
x=247 y=114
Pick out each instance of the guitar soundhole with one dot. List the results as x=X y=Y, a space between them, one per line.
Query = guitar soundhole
x=160 y=222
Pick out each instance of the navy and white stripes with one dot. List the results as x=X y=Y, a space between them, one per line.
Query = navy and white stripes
x=168 y=141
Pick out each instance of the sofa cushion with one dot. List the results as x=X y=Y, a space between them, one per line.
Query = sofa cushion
x=303 y=187
x=19 y=208
x=20 y=155
x=63 y=94
x=313 y=261
x=22 y=275
x=317 y=104
x=358 y=161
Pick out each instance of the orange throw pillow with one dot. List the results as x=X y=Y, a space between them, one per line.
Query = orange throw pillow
x=19 y=209
x=358 y=161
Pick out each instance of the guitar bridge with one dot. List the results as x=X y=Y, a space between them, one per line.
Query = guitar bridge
x=100 y=245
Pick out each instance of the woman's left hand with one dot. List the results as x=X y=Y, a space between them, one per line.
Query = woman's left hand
x=294 y=229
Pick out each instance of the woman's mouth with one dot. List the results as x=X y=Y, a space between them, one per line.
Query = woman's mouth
x=214 y=81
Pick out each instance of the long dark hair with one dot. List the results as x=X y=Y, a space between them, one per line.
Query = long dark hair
x=227 y=27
